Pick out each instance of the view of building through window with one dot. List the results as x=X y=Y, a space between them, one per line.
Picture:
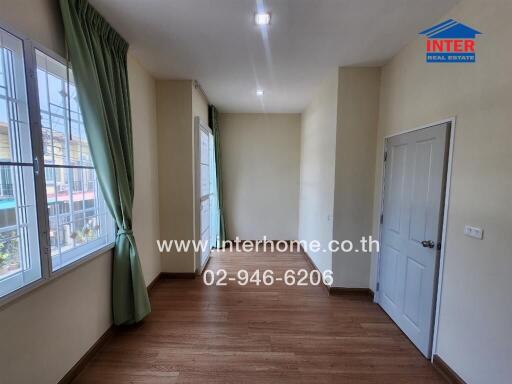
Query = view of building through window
x=77 y=213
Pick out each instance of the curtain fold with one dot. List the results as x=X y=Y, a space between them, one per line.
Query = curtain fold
x=98 y=56
x=213 y=122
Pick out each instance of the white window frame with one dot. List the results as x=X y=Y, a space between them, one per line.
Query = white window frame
x=80 y=251
x=91 y=250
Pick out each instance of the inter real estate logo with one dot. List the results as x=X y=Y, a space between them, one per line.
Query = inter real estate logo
x=450 y=42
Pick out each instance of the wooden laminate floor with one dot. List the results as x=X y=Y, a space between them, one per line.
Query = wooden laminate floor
x=258 y=334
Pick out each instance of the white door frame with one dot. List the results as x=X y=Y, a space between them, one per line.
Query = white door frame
x=440 y=272
x=198 y=125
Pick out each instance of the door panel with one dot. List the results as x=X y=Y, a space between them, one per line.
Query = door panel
x=397 y=177
x=420 y=190
x=205 y=215
x=205 y=191
x=414 y=179
x=392 y=242
x=389 y=286
x=413 y=283
x=205 y=180
x=205 y=252
x=205 y=148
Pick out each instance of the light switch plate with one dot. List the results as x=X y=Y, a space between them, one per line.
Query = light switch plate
x=475 y=232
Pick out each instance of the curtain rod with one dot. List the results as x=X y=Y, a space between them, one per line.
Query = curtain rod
x=198 y=86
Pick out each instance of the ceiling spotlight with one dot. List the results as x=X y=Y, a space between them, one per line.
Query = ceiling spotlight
x=262 y=18
x=259 y=92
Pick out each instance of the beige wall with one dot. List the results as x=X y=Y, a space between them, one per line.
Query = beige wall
x=45 y=332
x=358 y=113
x=174 y=111
x=146 y=223
x=318 y=155
x=178 y=101
x=475 y=309
x=39 y=20
x=260 y=172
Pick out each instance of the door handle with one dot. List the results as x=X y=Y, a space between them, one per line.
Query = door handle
x=428 y=244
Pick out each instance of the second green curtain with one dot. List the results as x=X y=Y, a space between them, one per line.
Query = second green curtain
x=98 y=57
x=213 y=122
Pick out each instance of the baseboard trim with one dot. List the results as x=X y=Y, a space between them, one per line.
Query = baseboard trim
x=342 y=291
x=444 y=369
x=339 y=291
x=153 y=283
x=313 y=266
x=80 y=365
x=177 y=275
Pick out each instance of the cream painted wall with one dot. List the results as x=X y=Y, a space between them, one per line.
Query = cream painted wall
x=475 y=310
x=358 y=114
x=318 y=155
x=175 y=170
x=45 y=332
x=260 y=171
x=146 y=224
x=178 y=101
x=36 y=19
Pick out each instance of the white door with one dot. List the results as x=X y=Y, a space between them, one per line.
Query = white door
x=414 y=183
x=206 y=205
x=205 y=142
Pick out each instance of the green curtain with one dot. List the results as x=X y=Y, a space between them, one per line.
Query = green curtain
x=98 y=56
x=213 y=122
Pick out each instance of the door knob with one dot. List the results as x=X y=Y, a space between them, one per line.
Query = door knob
x=428 y=243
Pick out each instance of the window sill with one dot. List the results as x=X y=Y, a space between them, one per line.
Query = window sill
x=21 y=292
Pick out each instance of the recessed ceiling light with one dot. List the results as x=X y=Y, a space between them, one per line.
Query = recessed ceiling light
x=262 y=18
x=259 y=92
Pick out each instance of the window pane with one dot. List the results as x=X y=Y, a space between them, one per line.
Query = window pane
x=79 y=220
x=19 y=243
x=14 y=128
x=64 y=138
x=19 y=249
x=78 y=217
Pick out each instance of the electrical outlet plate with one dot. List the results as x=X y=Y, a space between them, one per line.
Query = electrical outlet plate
x=474 y=232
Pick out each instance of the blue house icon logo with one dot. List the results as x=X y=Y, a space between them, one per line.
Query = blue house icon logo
x=450 y=42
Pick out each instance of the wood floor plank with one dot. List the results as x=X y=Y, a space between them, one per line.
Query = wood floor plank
x=258 y=334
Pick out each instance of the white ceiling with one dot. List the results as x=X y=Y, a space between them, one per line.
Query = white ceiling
x=217 y=43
